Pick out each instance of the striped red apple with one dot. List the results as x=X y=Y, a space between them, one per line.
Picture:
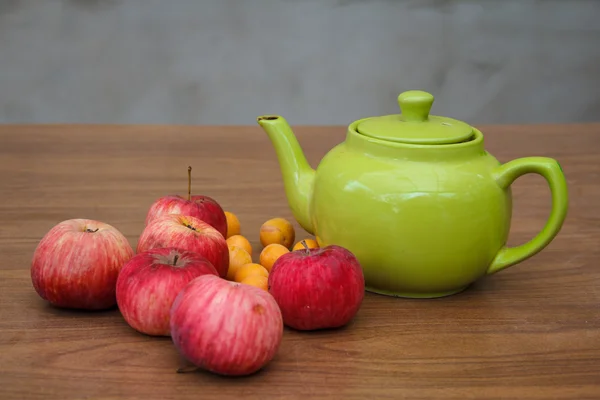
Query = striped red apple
x=225 y=327
x=150 y=281
x=77 y=262
x=185 y=232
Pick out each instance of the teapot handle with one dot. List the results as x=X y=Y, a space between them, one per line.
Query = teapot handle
x=550 y=169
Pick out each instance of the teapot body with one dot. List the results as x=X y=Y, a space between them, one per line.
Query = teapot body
x=416 y=197
x=424 y=221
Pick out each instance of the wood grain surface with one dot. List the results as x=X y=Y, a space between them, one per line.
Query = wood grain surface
x=529 y=332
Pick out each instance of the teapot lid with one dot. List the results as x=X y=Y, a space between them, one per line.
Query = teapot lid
x=415 y=125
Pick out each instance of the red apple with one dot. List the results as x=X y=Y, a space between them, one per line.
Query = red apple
x=185 y=232
x=199 y=206
x=226 y=327
x=317 y=288
x=150 y=281
x=77 y=262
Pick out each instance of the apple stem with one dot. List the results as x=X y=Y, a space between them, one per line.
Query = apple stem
x=190 y=227
x=189 y=183
x=92 y=231
x=175 y=259
x=305 y=246
x=186 y=369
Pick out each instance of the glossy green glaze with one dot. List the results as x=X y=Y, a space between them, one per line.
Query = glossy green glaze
x=425 y=209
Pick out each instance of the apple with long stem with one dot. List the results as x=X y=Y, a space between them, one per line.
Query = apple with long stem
x=200 y=206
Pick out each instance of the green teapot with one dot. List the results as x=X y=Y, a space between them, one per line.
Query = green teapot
x=415 y=197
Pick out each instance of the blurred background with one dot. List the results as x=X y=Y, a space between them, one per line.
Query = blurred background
x=315 y=62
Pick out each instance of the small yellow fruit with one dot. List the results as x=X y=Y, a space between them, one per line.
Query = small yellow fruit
x=277 y=230
x=250 y=269
x=240 y=241
x=310 y=243
x=270 y=254
x=233 y=224
x=238 y=257
x=259 y=281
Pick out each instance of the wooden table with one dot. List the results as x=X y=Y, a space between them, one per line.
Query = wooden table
x=529 y=332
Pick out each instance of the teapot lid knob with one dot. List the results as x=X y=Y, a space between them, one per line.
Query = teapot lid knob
x=415 y=105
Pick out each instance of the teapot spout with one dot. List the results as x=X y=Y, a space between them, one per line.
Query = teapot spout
x=298 y=176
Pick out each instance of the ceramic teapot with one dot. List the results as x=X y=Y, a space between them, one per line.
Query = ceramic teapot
x=416 y=197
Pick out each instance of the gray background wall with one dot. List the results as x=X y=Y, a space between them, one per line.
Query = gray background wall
x=315 y=62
